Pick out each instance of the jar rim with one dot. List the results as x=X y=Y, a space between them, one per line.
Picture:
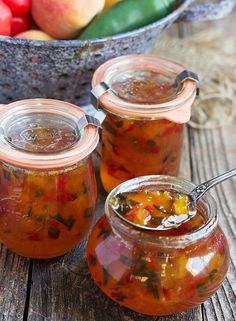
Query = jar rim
x=207 y=203
x=113 y=103
x=85 y=145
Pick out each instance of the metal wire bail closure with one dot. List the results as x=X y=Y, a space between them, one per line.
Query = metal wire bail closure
x=91 y=120
x=184 y=75
x=97 y=92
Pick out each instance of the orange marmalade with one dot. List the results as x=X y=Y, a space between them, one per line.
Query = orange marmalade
x=157 y=272
x=48 y=189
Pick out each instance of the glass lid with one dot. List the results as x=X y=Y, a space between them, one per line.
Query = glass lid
x=42 y=133
x=143 y=86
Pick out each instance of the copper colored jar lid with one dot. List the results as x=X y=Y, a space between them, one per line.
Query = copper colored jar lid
x=45 y=133
x=145 y=86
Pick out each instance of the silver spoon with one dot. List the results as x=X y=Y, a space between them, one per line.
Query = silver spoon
x=194 y=195
x=174 y=221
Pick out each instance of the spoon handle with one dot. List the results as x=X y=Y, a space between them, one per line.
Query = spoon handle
x=201 y=189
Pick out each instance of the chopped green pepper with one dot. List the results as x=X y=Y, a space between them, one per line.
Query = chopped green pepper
x=6 y=175
x=53 y=232
x=68 y=222
x=39 y=192
x=88 y=212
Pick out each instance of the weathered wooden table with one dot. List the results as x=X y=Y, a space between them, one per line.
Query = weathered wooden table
x=62 y=290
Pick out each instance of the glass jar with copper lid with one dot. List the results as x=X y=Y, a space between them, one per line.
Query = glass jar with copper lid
x=147 y=101
x=48 y=188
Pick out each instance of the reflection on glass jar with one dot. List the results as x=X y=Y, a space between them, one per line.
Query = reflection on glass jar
x=158 y=273
x=48 y=188
x=145 y=116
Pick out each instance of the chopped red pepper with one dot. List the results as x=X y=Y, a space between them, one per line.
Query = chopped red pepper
x=154 y=149
x=62 y=180
x=168 y=131
x=166 y=293
x=149 y=209
x=119 y=296
x=132 y=211
x=112 y=169
x=115 y=150
x=129 y=129
x=65 y=197
x=33 y=236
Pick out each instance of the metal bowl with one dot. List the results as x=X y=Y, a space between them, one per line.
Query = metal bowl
x=62 y=69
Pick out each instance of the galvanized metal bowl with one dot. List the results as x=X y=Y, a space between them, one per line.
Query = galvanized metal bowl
x=62 y=69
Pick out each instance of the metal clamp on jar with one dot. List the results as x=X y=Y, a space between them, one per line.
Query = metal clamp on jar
x=147 y=100
x=48 y=188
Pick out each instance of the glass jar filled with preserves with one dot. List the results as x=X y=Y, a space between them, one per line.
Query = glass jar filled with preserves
x=48 y=188
x=146 y=105
x=157 y=271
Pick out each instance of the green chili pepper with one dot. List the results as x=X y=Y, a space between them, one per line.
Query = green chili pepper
x=126 y=16
x=109 y=127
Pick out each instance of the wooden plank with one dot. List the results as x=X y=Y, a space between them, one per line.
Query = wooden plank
x=63 y=290
x=13 y=285
x=185 y=165
x=214 y=152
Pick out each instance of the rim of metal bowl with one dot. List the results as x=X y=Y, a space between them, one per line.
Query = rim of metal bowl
x=76 y=42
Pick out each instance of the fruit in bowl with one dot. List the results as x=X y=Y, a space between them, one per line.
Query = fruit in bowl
x=82 y=19
x=63 y=19
x=71 y=63
x=34 y=35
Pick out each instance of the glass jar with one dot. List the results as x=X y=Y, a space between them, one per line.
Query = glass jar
x=158 y=273
x=145 y=114
x=48 y=188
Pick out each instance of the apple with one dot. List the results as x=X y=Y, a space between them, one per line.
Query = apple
x=34 y=35
x=63 y=19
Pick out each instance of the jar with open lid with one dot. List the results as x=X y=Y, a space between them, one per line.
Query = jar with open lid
x=156 y=272
x=147 y=101
x=48 y=188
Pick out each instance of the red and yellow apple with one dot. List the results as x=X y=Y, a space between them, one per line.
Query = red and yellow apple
x=62 y=19
x=34 y=35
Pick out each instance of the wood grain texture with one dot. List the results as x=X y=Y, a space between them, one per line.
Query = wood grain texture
x=214 y=152
x=13 y=285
